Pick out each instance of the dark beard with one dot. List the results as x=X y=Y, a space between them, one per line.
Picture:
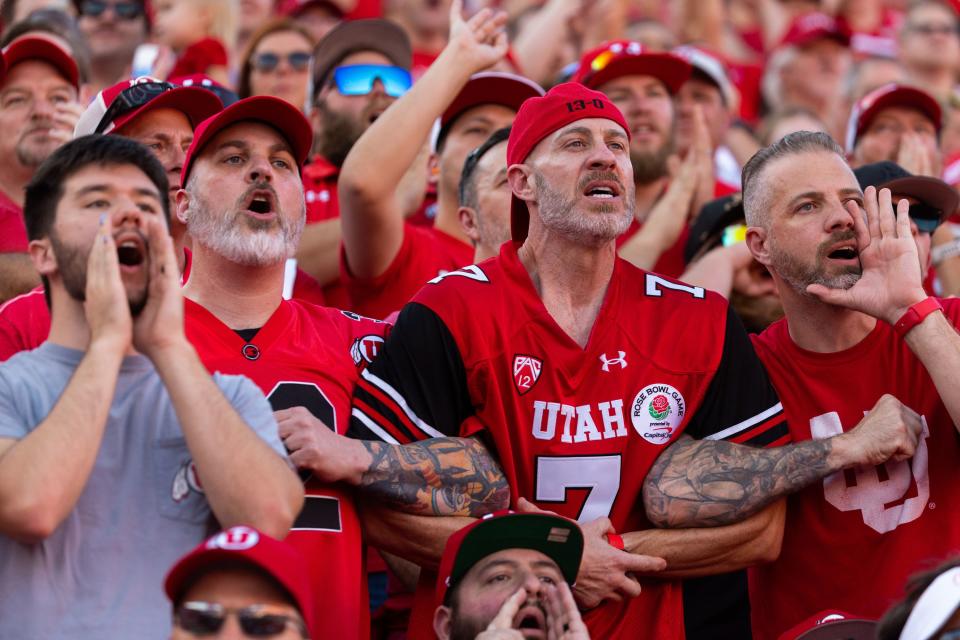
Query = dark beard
x=463 y=629
x=649 y=166
x=72 y=265
x=337 y=135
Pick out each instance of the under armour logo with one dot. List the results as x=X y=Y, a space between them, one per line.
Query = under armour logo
x=621 y=360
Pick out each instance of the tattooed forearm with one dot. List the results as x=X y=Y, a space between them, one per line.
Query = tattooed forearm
x=706 y=483
x=440 y=477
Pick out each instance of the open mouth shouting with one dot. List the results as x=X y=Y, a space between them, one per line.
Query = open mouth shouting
x=844 y=252
x=131 y=251
x=604 y=190
x=531 y=621
x=261 y=204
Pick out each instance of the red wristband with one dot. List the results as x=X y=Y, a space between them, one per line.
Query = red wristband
x=615 y=540
x=916 y=314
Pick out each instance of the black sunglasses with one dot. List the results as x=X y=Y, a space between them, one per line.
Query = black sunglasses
x=925 y=217
x=131 y=98
x=267 y=62
x=207 y=618
x=124 y=10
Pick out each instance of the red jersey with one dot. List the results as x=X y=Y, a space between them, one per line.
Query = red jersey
x=424 y=254
x=323 y=203
x=13 y=230
x=308 y=356
x=477 y=353
x=24 y=323
x=872 y=526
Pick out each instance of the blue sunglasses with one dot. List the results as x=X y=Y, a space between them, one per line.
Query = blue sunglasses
x=357 y=80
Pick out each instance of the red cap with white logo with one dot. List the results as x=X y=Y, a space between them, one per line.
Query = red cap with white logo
x=617 y=58
x=244 y=544
x=889 y=95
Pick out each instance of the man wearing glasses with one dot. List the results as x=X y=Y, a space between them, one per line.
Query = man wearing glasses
x=386 y=261
x=359 y=69
x=113 y=29
x=241 y=583
x=929 y=46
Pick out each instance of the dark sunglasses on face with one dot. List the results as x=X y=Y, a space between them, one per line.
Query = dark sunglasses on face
x=925 y=217
x=358 y=79
x=267 y=62
x=207 y=618
x=124 y=10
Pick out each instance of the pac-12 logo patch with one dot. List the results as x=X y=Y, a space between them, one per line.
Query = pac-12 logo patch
x=365 y=349
x=656 y=412
x=526 y=372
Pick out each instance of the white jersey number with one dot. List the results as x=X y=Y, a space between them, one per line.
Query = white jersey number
x=870 y=494
x=599 y=474
x=655 y=282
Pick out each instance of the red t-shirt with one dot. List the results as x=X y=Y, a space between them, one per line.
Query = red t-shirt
x=13 y=230
x=852 y=540
x=323 y=203
x=425 y=254
x=308 y=356
x=477 y=353
x=199 y=57
x=671 y=262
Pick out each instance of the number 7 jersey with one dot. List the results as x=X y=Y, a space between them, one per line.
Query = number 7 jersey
x=575 y=429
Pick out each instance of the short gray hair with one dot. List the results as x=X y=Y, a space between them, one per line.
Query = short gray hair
x=756 y=198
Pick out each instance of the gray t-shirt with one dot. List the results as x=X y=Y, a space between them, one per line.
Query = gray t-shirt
x=100 y=575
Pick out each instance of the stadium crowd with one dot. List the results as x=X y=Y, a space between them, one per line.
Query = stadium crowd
x=493 y=319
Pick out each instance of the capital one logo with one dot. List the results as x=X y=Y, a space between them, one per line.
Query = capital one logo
x=870 y=494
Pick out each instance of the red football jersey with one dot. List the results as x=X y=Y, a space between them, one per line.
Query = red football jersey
x=24 y=323
x=424 y=254
x=13 y=230
x=853 y=539
x=308 y=356
x=575 y=429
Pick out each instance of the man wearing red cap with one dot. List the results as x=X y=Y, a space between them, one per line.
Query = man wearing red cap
x=897 y=123
x=242 y=583
x=159 y=115
x=386 y=260
x=38 y=108
x=243 y=206
x=642 y=84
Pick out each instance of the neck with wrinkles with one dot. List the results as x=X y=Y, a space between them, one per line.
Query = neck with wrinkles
x=820 y=327
x=239 y=296
x=570 y=277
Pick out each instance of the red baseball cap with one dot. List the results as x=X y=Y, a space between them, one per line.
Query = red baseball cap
x=539 y=117
x=832 y=625
x=557 y=538
x=810 y=27
x=711 y=67
x=489 y=87
x=890 y=95
x=123 y=102
x=279 y=560
x=46 y=47
x=271 y=111
x=616 y=58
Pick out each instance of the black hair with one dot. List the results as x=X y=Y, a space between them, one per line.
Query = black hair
x=468 y=185
x=45 y=189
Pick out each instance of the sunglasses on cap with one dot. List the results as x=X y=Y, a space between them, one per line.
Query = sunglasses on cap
x=358 y=80
x=131 y=98
x=267 y=62
x=124 y=10
x=207 y=618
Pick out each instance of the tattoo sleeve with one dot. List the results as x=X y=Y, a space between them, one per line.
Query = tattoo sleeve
x=707 y=483
x=438 y=477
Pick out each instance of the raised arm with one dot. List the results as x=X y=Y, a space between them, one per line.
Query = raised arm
x=891 y=283
x=371 y=212
x=245 y=481
x=43 y=473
